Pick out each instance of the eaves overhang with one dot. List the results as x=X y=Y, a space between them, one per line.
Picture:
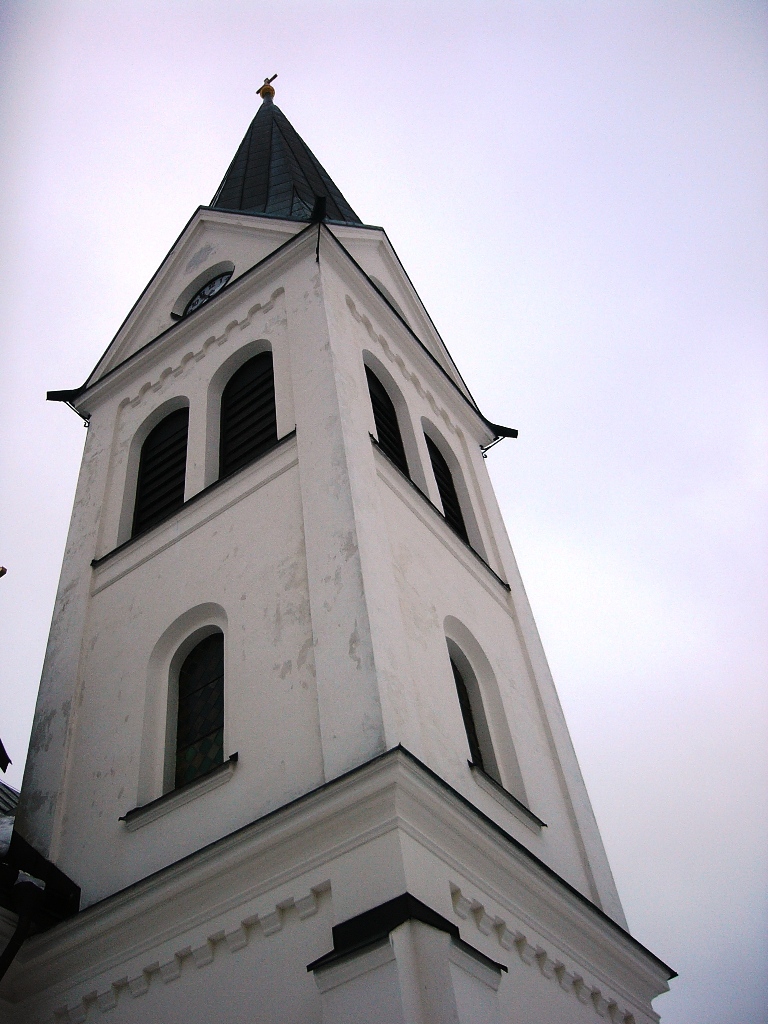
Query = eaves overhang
x=70 y=396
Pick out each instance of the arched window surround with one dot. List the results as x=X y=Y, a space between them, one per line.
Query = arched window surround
x=493 y=727
x=459 y=482
x=220 y=379
x=156 y=416
x=405 y=422
x=157 y=767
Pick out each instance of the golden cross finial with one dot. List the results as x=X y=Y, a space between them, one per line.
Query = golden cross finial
x=266 y=90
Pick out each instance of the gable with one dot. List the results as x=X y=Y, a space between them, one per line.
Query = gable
x=213 y=243
x=373 y=252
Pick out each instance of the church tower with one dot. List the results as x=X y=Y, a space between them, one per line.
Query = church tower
x=296 y=739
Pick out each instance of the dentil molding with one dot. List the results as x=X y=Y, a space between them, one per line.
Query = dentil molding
x=440 y=411
x=187 y=958
x=196 y=356
x=536 y=956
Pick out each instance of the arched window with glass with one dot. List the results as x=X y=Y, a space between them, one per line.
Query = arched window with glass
x=200 y=715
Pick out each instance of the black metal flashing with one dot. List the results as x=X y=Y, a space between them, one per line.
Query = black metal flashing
x=60 y=895
x=35 y=890
x=373 y=926
x=275 y=172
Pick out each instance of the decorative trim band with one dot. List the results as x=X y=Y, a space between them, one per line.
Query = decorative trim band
x=187 y=957
x=438 y=409
x=536 y=956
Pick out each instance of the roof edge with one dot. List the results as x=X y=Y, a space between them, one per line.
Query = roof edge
x=498 y=430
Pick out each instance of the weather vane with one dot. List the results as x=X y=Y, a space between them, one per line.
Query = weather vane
x=266 y=89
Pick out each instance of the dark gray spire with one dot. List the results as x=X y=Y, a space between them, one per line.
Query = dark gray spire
x=275 y=172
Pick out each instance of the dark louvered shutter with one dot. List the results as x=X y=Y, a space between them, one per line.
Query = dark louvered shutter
x=447 y=489
x=248 y=421
x=200 y=724
x=162 y=470
x=469 y=718
x=385 y=418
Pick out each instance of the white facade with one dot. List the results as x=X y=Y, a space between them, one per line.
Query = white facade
x=341 y=591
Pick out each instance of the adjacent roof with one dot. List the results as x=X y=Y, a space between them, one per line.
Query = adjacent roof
x=275 y=172
x=8 y=799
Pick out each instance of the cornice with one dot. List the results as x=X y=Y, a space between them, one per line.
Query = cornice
x=185 y=913
x=221 y=942
x=549 y=962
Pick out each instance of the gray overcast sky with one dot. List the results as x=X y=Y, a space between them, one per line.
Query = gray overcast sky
x=578 y=191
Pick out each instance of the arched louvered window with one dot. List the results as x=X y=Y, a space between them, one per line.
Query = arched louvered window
x=447 y=489
x=385 y=418
x=475 y=723
x=248 y=420
x=200 y=724
x=162 y=471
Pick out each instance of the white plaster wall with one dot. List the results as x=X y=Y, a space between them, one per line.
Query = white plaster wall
x=404 y=543
x=332 y=577
x=433 y=584
x=251 y=565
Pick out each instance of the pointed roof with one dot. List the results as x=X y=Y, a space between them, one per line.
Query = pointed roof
x=275 y=172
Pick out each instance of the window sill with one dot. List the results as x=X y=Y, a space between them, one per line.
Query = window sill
x=505 y=798
x=194 y=500
x=216 y=777
x=196 y=513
